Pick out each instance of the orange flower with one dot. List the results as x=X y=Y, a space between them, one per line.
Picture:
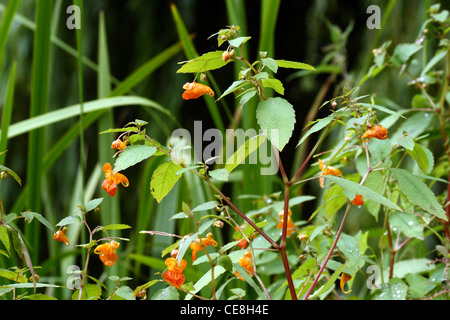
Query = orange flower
x=174 y=274
x=195 y=90
x=107 y=252
x=243 y=243
x=246 y=263
x=344 y=278
x=378 y=132
x=112 y=179
x=358 y=201
x=60 y=235
x=118 y=145
x=328 y=171
x=291 y=227
x=196 y=246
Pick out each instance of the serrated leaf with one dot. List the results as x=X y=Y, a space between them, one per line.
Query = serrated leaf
x=244 y=151
x=419 y=155
x=408 y=223
x=294 y=65
x=205 y=206
x=225 y=262
x=277 y=117
x=275 y=84
x=164 y=179
x=132 y=155
x=418 y=192
x=206 y=62
x=351 y=189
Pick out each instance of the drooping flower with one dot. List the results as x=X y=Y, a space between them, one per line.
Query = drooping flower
x=358 y=201
x=174 y=273
x=112 y=179
x=246 y=263
x=196 y=245
x=193 y=90
x=344 y=278
x=291 y=227
x=60 y=235
x=118 y=145
x=378 y=132
x=328 y=171
x=107 y=252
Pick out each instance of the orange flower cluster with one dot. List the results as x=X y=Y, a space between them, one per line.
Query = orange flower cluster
x=378 y=132
x=174 y=274
x=107 y=252
x=358 y=201
x=112 y=179
x=196 y=245
x=194 y=90
x=328 y=171
x=291 y=227
x=60 y=235
x=246 y=263
x=118 y=145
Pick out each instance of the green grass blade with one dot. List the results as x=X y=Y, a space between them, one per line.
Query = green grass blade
x=269 y=15
x=74 y=111
x=7 y=112
x=39 y=103
x=7 y=19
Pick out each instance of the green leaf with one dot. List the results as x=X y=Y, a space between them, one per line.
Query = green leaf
x=294 y=65
x=417 y=192
x=41 y=220
x=68 y=220
x=237 y=42
x=234 y=86
x=330 y=281
x=13 y=276
x=219 y=174
x=118 y=226
x=206 y=62
x=205 y=206
x=4 y=238
x=403 y=52
x=271 y=64
x=11 y=173
x=92 y=204
x=132 y=155
x=394 y=290
x=334 y=200
x=349 y=246
x=277 y=116
x=351 y=189
x=319 y=125
x=409 y=224
x=90 y=292
x=275 y=84
x=419 y=286
x=164 y=179
x=419 y=155
x=225 y=262
x=244 y=151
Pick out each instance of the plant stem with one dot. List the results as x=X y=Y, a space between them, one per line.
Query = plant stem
x=333 y=246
